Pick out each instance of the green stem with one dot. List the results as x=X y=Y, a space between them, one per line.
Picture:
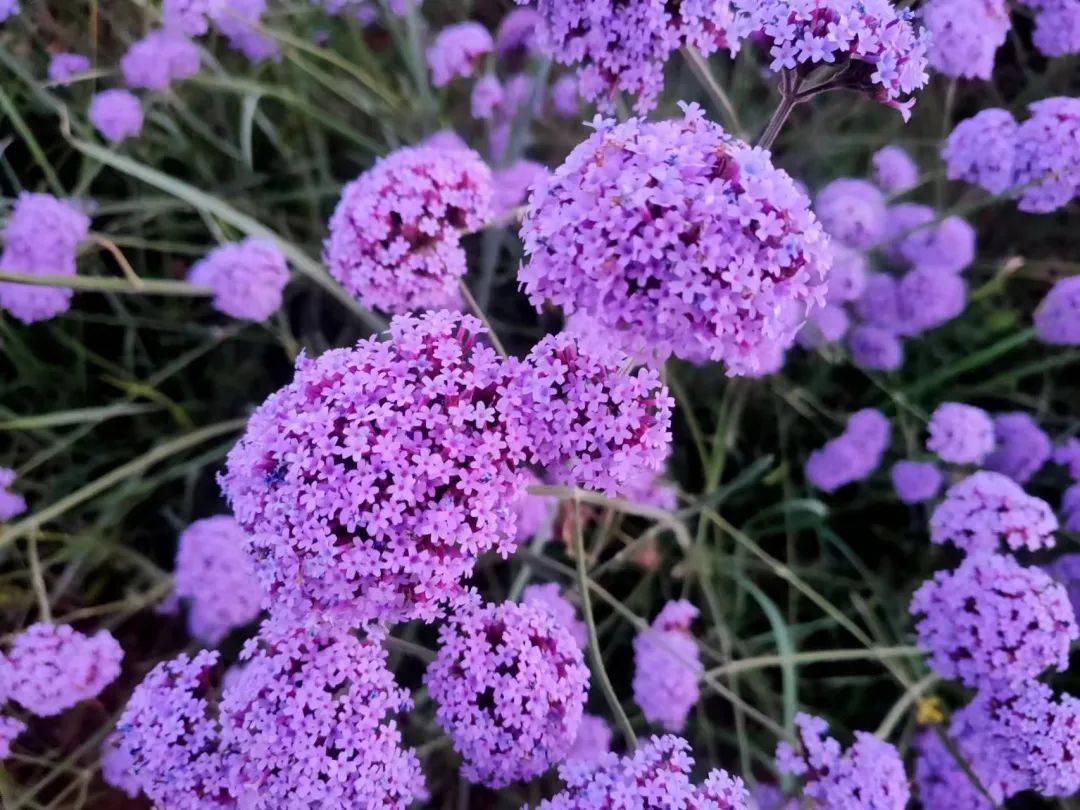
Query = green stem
x=183 y=289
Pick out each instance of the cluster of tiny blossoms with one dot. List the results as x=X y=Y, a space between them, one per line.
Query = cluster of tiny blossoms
x=509 y=683
x=457 y=50
x=1057 y=26
x=395 y=235
x=677 y=238
x=894 y=170
x=117 y=114
x=1057 y=319
x=965 y=35
x=853 y=455
x=667 y=667
x=246 y=278
x=548 y=597
x=11 y=503
x=159 y=59
x=623 y=46
x=852 y=211
x=1021 y=447
x=960 y=434
x=916 y=481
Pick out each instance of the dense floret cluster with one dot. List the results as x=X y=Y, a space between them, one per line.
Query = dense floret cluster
x=1057 y=319
x=667 y=667
x=965 y=35
x=894 y=170
x=548 y=597
x=853 y=455
x=916 y=481
x=1021 y=447
x=456 y=51
x=158 y=59
x=247 y=278
x=116 y=114
x=982 y=150
x=960 y=434
x=852 y=212
x=988 y=509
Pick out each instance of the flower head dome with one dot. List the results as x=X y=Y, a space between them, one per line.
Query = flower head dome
x=894 y=170
x=667 y=667
x=457 y=50
x=982 y=150
x=960 y=434
x=1048 y=155
x=159 y=59
x=116 y=114
x=680 y=239
x=852 y=212
x=853 y=455
x=1057 y=319
x=916 y=481
x=547 y=596
x=965 y=35
x=191 y=17
x=940 y=782
x=247 y=278
x=1022 y=448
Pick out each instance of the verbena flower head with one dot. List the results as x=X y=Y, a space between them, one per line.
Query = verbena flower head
x=116 y=114
x=457 y=50
x=944 y=248
x=879 y=45
x=894 y=170
x=11 y=503
x=1021 y=447
x=214 y=575
x=191 y=17
x=987 y=509
x=649 y=490
x=514 y=184
x=982 y=150
x=63 y=66
x=518 y=33
x=654 y=777
x=41 y=236
x=1070 y=508
x=992 y=620
x=879 y=304
x=548 y=596
x=444 y=139
x=565 y=99
x=1057 y=26
x=1067 y=454
x=593 y=742
x=960 y=434
x=158 y=59
x=902 y=221
x=1066 y=570
x=247 y=278
x=54 y=666
x=395 y=235
x=869 y=775
x=916 y=481
x=8 y=8
x=848 y=276
x=534 y=512
x=170 y=736
x=238 y=21
x=927 y=298
x=825 y=325
x=509 y=683
x=667 y=667
x=10 y=729
x=940 y=782
x=623 y=46
x=372 y=482
x=965 y=35
x=591 y=421
x=1048 y=155
x=853 y=455
x=678 y=237
x=875 y=349
x=852 y=211
x=1057 y=319
x=487 y=95
x=310 y=720
x=117 y=767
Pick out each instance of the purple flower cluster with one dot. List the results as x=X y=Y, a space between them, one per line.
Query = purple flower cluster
x=11 y=503
x=191 y=17
x=63 y=66
x=238 y=21
x=1070 y=508
x=991 y=620
x=869 y=775
x=10 y=727
x=158 y=59
x=1057 y=26
x=565 y=98
x=513 y=185
x=1066 y=570
x=1067 y=454
x=667 y=667
x=623 y=46
x=965 y=35
x=894 y=170
x=988 y=509
x=592 y=744
x=457 y=50
x=853 y=455
x=1057 y=318
x=852 y=212
x=117 y=767
x=589 y=421
x=372 y=482
x=41 y=236
x=680 y=239
x=534 y=513
x=942 y=784
x=8 y=8
x=395 y=235
x=247 y=278
x=875 y=348
x=509 y=683
x=52 y=667
x=982 y=150
x=309 y=722
x=217 y=579
x=548 y=597
x=879 y=47
x=116 y=114
x=916 y=481
x=960 y=434
x=1021 y=447
x=654 y=777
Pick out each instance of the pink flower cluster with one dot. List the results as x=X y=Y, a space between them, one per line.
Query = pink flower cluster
x=457 y=50
x=509 y=683
x=395 y=235
x=1057 y=26
x=965 y=35
x=238 y=21
x=548 y=597
x=117 y=114
x=676 y=238
x=246 y=278
x=853 y=455
x=158 y=59
x=960 y=434
x=667 y=667
x=1021 y=447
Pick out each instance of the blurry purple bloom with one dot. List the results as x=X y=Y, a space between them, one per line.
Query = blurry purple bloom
x=960 y=434
x=457 y=51
x=853 y=455
x=514 y=184
x=852 y=212
x=875 y=349
x=116 y=114
x=965 y=35
x=667 y=667
x=11 y=503
x=239 y=21
x=63 y=66
x=916 y=481
x=246 y=278
x=982 y=150
x=1057 y=318
x=1021 y=447
x=159 y=59
x=894 y=170
x=1048 y=155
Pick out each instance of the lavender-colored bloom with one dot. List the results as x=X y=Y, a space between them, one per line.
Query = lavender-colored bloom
x=395 y=235
x=1057 y=26
x=238 y=22
x=509 y=683
x=903 y=221
x=1048 y=155
x=534 y=513
x=8 y=8
x=170 y=736
x=11 y=503
x=1067 y=455
x=159 y=59
x=53 y=667
x=667 y=667
x=215 y=576
x=994 y=621
x=647 y=489
x=982 y=150
x=565 y=100
x=1066 y=570
x=487 y=95
x=457 y=50
x=847 y=279
x=518 y=33
x=853 y=455
x=869 y=775
x=41 y=236
x=825 y=325
x=656 y=775
x=116 y=114
x=10 y=729
x=894 y=170
x=514 y=184
x=246 y=278
x=879 y=45
x=1021 y=447
x=310 y=719
x=965 y=35
x=928 y=298
x=1057 y=319
x=852 y=211
x=946 y=247
x=679 y=238
x=916 y=481
x=373 y=481
x=621 y=45
x=63 y=66
x=879 y=304
x=191 y=17
x=445 y=139
x=939 y=780
x=589 y=421
x=960 y=434
x=117 y=767
x=1070 y=508
x=592 y=744
x=987 y=509
x=548 y=597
